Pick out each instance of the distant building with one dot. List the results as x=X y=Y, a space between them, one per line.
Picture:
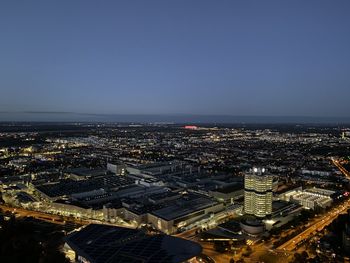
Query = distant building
x=154 y=169
x=315 y=172
x=258 y=193
x=191 y=127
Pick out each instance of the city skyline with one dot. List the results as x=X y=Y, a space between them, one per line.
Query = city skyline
x=37 y=116
x=174 y=131
x=174 y=193
x=198 y=58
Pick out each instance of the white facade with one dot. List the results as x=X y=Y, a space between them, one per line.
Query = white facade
x=309 y=198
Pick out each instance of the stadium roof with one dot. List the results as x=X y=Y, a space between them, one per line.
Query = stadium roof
x=110 y=244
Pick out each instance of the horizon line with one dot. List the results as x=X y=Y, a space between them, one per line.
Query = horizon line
x=174 y=114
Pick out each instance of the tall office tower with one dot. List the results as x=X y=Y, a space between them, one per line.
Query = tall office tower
x=258 y=193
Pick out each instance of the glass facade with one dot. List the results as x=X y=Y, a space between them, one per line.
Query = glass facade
x=258 y=194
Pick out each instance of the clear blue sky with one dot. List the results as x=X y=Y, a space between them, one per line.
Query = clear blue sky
x=181 y=56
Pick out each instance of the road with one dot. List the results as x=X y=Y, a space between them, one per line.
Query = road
x=52 y=218
x=284 y=250
x=340 y=167
x=189 y=234
x=208 y=247
x=316 y=225
x=56 y=219
x=320 y=223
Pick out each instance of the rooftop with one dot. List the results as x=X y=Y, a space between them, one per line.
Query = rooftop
x=69 y=187
x=184 y=206
x=109 y=244
x=231 y=188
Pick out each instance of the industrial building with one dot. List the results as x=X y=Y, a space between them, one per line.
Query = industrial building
x=183 y=212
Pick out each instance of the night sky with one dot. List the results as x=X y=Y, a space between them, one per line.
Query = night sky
x=275 y=58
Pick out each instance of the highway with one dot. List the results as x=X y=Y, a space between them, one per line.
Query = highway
x=319 y=223
x=316 y=225
x=340 y=167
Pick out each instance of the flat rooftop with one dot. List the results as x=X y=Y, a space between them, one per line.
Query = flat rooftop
x=231 y=188
x=68 y=187
x=184 y=206
x=87 y=172
x=158 y=197
x=110 y=244
x=278 y=205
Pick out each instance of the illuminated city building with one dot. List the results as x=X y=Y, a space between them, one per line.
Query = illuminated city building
x=258 y=193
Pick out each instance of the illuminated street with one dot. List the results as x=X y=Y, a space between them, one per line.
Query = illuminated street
x=319 y=223
x=315 y=225
x=51 y=218
x=341 y=168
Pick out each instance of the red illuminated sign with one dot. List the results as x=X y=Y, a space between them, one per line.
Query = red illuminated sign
x=191 y=127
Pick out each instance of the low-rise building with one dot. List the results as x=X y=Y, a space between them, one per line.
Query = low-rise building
x=309 y=198
x=182 y=212
x=228 y=193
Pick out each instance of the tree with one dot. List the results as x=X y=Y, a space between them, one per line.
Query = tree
x=25 y=242
x=219 y=247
